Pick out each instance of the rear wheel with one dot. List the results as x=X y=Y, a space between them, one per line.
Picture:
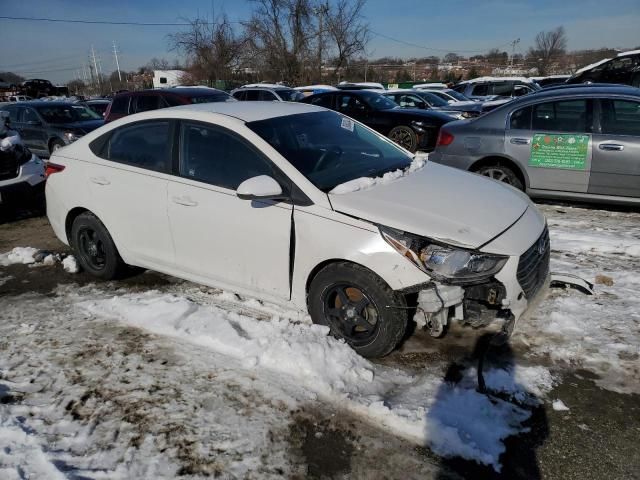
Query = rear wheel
x=405 y=137
x=501 y=173
x=359 y=307
x=94 y=248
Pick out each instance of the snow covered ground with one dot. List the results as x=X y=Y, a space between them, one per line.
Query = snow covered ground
x=100 y=381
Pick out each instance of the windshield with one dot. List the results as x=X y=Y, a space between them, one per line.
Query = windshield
x=330 y=149
x=378 y=101
x=457 y=95
x=67 y=113
x=290 y=95
x=216 y=97
x=433 y=99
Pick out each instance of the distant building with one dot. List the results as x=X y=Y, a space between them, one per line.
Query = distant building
x=167 y=78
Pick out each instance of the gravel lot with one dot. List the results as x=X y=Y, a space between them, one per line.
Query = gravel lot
x=83 y=396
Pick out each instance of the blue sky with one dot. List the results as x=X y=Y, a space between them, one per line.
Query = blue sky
x=36 y=49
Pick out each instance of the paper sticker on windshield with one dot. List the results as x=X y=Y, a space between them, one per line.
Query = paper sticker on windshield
x=347 y=124
x=559 y=151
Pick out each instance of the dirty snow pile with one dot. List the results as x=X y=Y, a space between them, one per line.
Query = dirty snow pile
x=451 y=419
x=363 y=183
x=35 y=257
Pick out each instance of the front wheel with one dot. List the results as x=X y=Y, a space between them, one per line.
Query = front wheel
x=405 y=137
x=501 y=174
x=358 y=307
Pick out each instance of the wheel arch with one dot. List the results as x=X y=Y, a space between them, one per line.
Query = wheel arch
x=325 y=263
x=50 y=142
x=71 y=216
x=504 y=161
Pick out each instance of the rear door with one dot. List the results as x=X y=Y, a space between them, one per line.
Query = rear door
x=615 y=169
x=551 y=141
x=219 y=237
x=128 y=185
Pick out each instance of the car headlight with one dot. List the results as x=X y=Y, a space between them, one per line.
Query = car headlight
x=71 y=136
x=444 y=262
x=467 y=114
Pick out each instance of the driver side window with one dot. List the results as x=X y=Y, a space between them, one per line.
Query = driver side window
x=351 y=104
x=29 y=115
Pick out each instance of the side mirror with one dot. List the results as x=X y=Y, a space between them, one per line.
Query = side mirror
x=262 y=187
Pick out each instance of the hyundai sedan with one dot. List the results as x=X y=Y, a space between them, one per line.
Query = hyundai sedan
x=304 y=207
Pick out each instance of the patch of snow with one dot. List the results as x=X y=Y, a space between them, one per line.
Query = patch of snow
x=559 y=406
x=23 y=255
x=590 y=66
x=610 y=243
x=70 y=264
x=451 y=419
x=363 y=183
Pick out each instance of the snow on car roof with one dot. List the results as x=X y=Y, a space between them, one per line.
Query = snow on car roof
x=317 y=87
x=248 y=111
x=498 y=79
x=630 y=52
x=590 y=66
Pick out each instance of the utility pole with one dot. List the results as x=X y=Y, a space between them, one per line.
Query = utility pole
x=513 y=49
x=320 y=11
x=115 y=53
x=95 y=66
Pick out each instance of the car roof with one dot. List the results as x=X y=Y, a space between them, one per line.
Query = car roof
x=496 y=79
x=246 y=111
x=600 y=89
x=630 y=52
x=181 y=92
x=44 y=103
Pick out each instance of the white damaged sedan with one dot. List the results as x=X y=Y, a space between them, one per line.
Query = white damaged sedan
x=301 y=206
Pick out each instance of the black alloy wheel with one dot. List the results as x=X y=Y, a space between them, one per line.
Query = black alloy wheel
x=351 y=312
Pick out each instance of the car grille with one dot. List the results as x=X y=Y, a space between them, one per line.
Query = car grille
x=9 y=165
x=533 y=267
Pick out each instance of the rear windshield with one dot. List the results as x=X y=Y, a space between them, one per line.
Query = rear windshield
x=67 y=113
x=330 y=149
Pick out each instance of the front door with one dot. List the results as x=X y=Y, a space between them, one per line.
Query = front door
x=552 y=142
x=616 y=150
x=32 y=130
x=219 y=238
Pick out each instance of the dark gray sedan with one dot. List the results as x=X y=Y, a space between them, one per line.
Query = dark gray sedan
x=578 y=143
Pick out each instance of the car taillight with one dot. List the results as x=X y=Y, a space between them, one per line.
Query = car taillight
x=52 y=168
x=444 y=138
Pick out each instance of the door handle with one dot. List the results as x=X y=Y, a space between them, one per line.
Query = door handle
x=612 y=147
x=100 y=180
x=186 y=201
x=520 y=141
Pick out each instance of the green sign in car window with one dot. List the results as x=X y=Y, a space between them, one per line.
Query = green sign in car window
x=559 y=151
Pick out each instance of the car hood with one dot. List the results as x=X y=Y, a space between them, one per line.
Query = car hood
x=439 y=202
x=85 y=126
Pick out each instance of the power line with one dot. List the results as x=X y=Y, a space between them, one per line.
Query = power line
x=102 y=22
x=429 y=48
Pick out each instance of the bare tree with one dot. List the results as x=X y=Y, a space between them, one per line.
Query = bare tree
x=213 y=48
x=451 y=57
x=549 y=46
x=346 y=30
x=281 y=33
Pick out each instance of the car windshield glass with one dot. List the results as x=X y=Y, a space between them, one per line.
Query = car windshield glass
x=67 y=113
x=457 y=95
x=290 y=95
x=330 y=149
x=216 y=97
x=433 y=100
x=378 y=101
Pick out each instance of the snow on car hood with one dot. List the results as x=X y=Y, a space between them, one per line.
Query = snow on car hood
x=438 y=202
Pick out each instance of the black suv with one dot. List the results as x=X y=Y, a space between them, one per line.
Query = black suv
x=624 y=69
x=410 y=128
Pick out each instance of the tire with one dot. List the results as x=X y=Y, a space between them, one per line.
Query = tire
x=55 y=145
x=88 y=237
x=383 y=311
x=405 y=137
x=501 y=173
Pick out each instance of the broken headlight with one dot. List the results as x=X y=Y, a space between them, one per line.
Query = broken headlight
x=441 y=261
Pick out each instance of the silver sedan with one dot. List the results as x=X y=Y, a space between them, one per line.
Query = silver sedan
x=571 y=143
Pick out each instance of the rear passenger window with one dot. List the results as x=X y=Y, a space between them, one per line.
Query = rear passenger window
x=120 y=105
x=239 y=95
x=620 y=117
x=145 y=103
x=321 y=101
x=145 y=145
x=218 y=157
x=252 y=95
x=502 y=89
x=267 y=96
x=565 y=116
x=521 y=119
